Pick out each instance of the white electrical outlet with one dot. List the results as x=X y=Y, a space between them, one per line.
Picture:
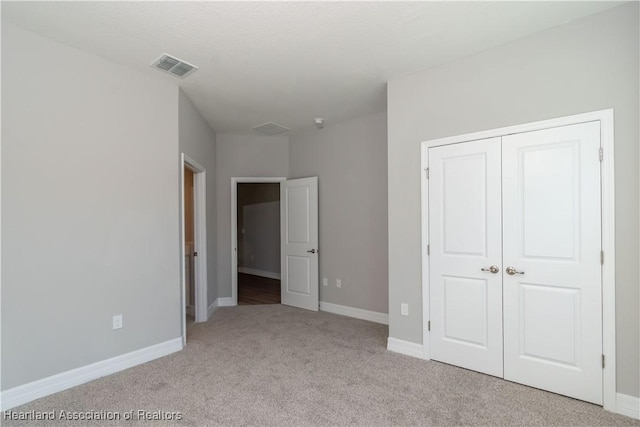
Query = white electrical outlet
x=404 y=309
x=339 y=283
x=117 y=321
x=325 y=281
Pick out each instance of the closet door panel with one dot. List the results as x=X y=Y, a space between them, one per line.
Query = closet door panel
x=465 y=238
x=552 y=243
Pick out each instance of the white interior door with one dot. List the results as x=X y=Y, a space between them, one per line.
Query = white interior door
x=466 y=253
x=552 y=240
x=299 y=217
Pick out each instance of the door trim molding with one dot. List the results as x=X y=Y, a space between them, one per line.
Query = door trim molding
x=234 y=224
x=605 y=117
x=200 y=241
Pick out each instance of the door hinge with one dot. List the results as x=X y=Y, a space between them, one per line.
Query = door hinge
x=195 y=254
x=603 y=361
x=429 y=325
x=426 y=170
x=601 y=154
x=601 y=257
x=428 y=250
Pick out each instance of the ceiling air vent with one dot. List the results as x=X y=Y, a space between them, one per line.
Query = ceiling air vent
x=174 y=66
x=271 y=128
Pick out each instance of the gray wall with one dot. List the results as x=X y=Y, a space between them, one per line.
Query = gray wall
x=587 y=65
x=89 y=209
x=260 y=237
x=350 y=160
x=239 y=155
x=198 y=141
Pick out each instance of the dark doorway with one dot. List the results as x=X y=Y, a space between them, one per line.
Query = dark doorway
x=258 y=219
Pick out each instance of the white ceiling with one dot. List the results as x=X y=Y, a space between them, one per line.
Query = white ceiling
x=289 y=62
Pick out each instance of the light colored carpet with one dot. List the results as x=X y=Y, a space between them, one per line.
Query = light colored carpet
x=282 y=366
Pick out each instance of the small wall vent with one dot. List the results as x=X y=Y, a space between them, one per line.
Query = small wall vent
x=271 y=128
x=174 y=66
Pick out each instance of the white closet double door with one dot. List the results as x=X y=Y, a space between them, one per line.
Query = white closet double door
x=514 y=265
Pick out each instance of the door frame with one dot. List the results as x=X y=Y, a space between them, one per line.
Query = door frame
x=234 y=224
x=605 y=117
x=200 y=241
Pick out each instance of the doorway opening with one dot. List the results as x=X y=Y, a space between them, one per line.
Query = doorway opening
x=193 y=243
x=256 y=240
x=189 y=247
x=258 y=243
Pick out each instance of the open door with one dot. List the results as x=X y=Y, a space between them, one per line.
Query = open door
x=299 y=243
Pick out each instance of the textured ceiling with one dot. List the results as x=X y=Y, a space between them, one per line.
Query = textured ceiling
x=289 y=62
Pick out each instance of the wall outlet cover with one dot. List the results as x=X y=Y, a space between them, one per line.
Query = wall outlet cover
x=404 y=309
x=117 y=321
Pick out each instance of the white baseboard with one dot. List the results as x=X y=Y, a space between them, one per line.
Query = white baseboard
x=34 y=390
x=372 y=316
x=219 y=302
x=212 y=308
x=405 y=347
x=628 y=405
x=225 y=302
x=261 y=273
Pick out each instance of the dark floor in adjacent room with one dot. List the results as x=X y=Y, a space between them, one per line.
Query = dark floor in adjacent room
x=253 y=290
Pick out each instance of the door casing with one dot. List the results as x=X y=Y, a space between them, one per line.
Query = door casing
x=605 y=117
x=200 y=241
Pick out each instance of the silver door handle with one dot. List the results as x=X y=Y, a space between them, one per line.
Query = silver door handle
x=493 y=269
x=511 y=271
x=312 y=251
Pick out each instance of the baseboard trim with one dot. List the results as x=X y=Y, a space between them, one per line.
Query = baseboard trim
x=219 y=302
x=261 y=273
x=212 y=308
x=34 y=390
x=372 y=316
x=226 y=302
x=405 y=347
x=628 y=405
